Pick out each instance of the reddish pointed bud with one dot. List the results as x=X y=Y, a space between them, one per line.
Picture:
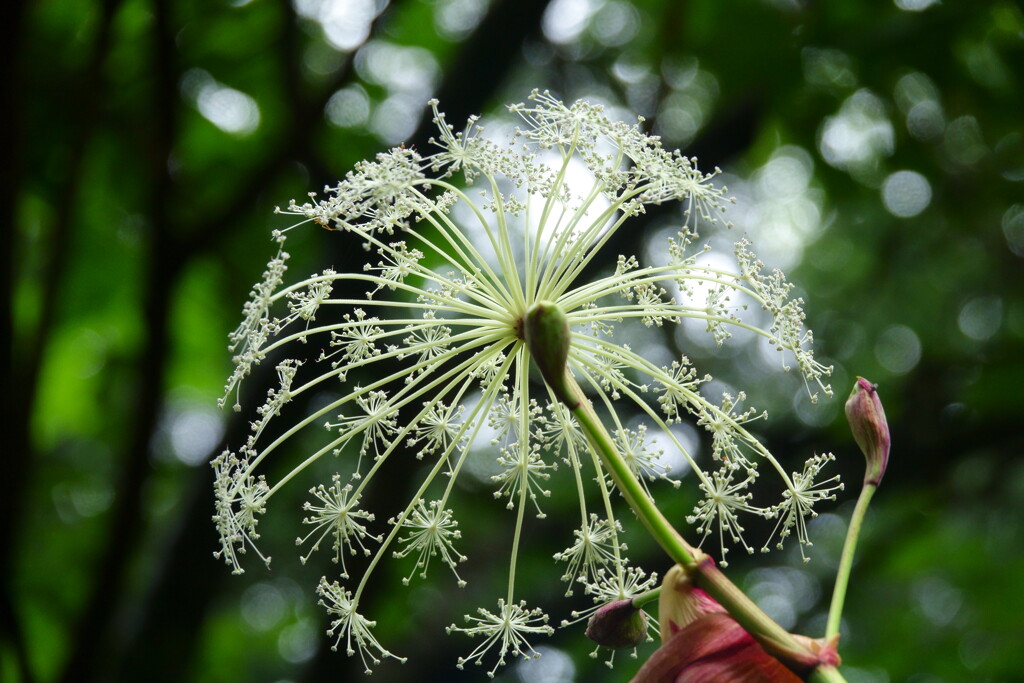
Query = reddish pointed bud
x=546 y=331
x=870 y=430
x=618 y=624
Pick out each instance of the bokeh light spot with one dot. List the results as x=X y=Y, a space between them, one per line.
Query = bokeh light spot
x=980 y=318
x=348 y=108
x=456 y=19
x=937 y=599
x=262 y=606
x=345 y=23
x=906 y=193
x=564 y=20
x=964 y=142
x=914 y=5
x=194 y=432
x=230 y=110
x=858 y=134
x=298 y=642
x=553 y=666
x=1013 y=229
x=898 y=349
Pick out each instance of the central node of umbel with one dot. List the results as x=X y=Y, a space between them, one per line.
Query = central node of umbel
x=546 y=332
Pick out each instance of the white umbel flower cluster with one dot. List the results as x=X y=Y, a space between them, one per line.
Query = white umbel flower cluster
x=430 y=359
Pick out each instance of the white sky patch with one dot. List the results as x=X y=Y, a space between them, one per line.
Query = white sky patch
x=345 y=23
x=778 y=208
x=456 y=19
x=699 y=289
x=694 y=331
x=565 y=20
x=787 y=212
x=858 y=134
x=408 y=74
x=671 y=456
x=580 y=182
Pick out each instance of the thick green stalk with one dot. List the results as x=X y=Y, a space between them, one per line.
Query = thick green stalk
x=835 y=611
x=826 y=674
x=663 y=532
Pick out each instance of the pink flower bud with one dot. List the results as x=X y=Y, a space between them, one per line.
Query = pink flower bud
x=870 y=430
x=618 y=624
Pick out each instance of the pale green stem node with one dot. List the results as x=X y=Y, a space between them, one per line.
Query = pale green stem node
x=546 y=331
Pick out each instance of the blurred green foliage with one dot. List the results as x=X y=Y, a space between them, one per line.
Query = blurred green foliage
x=146 y=143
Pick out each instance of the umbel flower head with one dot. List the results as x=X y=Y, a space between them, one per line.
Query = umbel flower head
x=431 y=359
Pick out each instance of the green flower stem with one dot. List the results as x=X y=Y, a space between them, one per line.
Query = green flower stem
x=775 y=638
x=646 y=597
x=666 y=536
x=826 y=674
x=835 y=611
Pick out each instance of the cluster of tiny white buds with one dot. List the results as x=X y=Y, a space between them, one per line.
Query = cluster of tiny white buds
x=798 y=502
x=350 y=626
x=724 y=499
x=337 y=514
x=239 y=499
x=432 y=532
x=596 y=545
x=506 y=631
